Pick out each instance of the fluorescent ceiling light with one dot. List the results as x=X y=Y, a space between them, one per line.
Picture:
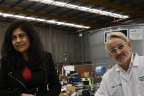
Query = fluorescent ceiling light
x=82 y=8
x=42 y=20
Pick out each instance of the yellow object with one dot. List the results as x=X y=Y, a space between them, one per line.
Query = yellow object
x=87 y=79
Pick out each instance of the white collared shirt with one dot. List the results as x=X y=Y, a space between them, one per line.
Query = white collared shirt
x=117 y=82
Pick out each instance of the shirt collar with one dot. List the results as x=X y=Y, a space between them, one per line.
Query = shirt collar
x=135 y=60
x=117 y=67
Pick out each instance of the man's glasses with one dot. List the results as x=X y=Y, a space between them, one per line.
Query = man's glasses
x=113 y=51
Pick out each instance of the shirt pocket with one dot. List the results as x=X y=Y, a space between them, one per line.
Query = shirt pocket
x=140 y=85
x=116 y=90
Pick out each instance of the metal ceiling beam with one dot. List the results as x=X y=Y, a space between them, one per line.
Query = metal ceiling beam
x=17 y=2
x=74 y=20
x=1 y=1
x=39 y=9
x=30 y=5
x=129 y=10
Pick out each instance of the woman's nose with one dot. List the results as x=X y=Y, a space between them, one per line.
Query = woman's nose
x=18 y=39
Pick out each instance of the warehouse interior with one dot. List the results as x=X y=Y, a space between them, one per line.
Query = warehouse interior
x=74 y=32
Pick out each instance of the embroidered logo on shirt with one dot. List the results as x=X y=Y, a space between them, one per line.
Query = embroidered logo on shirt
x=116 y=85
x=141 y=78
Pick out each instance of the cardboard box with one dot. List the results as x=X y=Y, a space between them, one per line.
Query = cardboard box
x=86 y=74
x=70 y=88
x=63 y=94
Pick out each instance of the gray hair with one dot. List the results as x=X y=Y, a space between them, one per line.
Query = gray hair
x=117 y=35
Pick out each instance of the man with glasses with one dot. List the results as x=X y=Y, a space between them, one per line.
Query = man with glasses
x=126 y=78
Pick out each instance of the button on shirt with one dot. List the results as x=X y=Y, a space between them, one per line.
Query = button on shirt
x=126 y=80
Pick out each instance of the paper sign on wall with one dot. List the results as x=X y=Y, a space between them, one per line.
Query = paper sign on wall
x=135 y=34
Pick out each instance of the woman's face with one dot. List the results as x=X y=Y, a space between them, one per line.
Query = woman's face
x=20 y=41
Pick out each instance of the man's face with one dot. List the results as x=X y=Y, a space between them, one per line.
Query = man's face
x=120 y=51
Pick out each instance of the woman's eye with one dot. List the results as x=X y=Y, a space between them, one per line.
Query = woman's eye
x=22 y=35
x=13 y=37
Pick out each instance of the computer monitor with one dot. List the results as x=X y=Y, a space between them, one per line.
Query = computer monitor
x=85 y=82
x=72 y=72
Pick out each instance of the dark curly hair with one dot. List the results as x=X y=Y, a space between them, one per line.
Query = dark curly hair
x=35 y=49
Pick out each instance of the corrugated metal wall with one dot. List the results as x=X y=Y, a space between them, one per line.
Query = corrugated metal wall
x=62 y=44
x=99 y=56
x=86 y=48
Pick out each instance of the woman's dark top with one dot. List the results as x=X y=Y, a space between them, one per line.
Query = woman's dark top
x=44 y=78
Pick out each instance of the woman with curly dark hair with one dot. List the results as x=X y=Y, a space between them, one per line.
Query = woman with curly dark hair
x=26 y=70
